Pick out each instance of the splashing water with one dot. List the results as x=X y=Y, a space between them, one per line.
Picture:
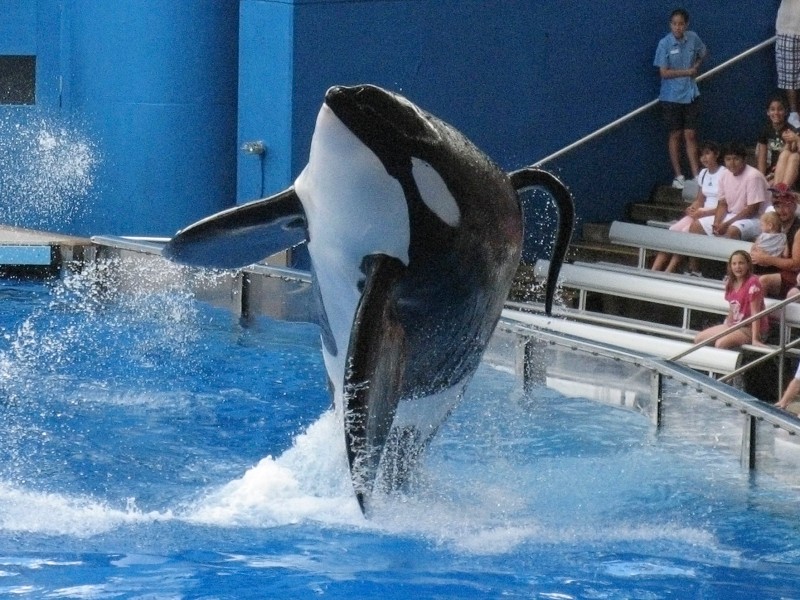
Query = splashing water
x=310 y=481
x=151 y=446
x=47 y=167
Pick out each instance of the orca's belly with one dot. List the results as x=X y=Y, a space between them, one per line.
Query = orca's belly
x=415 y=423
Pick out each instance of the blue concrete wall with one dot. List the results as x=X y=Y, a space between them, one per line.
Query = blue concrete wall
x=18 y=27
x=147 y=92
x=157 y=82
x=266 y=77
x=524 y=79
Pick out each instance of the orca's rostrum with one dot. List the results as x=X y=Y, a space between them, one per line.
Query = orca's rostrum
x=414 y=237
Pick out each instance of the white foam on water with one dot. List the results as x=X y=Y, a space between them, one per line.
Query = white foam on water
x=493 y=522
x=308 y=482
x=29 y=511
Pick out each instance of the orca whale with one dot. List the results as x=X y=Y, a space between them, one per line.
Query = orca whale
x=414 y=236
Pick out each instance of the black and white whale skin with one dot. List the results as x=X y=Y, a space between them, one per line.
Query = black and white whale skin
x=414 y=237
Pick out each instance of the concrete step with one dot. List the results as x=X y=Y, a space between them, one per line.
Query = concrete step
x=595 y=246
x=596 y=233
x=665 y=204
x=642 y=212
x=665 y=194
x=587 y=251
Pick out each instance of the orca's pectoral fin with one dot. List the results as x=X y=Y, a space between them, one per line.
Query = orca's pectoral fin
x=529 y=177
x=241 y=235
x=374 y=373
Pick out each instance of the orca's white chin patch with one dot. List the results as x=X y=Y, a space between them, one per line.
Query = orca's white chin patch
x=351 y=202
x=354 y=209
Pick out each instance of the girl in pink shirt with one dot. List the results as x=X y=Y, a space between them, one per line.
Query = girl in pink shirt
x=745 y=298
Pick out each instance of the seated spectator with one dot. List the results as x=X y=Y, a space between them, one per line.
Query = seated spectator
x=771 y=240
x=787 y=166
x=743 y=196
x=704 y=205
x=795 y=289
x=745 y=298
x=791 y=391
x=779 y=273
x=770 y=141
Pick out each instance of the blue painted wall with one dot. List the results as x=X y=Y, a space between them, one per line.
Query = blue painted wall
x=137 y=99
x=157 y=83
x=266 y=77
x=18 y=27
x=523 y=79
x=151 y=89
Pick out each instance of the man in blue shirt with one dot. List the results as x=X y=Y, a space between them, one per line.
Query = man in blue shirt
x=678 y=59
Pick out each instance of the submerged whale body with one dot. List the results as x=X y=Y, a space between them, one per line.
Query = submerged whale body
x=414 y=237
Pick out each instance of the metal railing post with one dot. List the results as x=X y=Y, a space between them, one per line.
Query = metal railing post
x=656 y=393
x=748 y=456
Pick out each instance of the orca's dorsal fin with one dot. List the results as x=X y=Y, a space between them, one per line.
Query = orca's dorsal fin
x=241 y=235
x=529 y=177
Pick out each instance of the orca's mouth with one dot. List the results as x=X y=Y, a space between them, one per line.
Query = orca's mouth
x=367 y=110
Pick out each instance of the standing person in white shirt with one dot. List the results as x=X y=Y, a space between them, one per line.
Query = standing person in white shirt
x=787 y=54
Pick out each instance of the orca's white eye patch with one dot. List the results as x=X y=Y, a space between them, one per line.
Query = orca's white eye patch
x=434 y=192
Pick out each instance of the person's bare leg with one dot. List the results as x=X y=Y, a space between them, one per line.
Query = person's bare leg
x=789 y=394
x=771 y=284
x=674 y=145
x=660 y=261
x=735 y=339
x=781 y=164
x=709 y=333
x=791 y=99
x=694 y=262
x=673 y=265
x=733 y=233
x=792 y=169
x=690 y=137
x=696 y=227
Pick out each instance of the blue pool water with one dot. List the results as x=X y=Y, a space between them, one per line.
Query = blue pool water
x=155 y=447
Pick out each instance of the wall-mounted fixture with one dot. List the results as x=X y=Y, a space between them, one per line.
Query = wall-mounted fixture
x=255 y=147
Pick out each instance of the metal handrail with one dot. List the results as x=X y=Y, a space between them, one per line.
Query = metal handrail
x=651 y=104
x=743 y=323
x=781 y=350
x=713 y=388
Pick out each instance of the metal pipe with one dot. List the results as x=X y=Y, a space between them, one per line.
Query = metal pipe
x=745 y=322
